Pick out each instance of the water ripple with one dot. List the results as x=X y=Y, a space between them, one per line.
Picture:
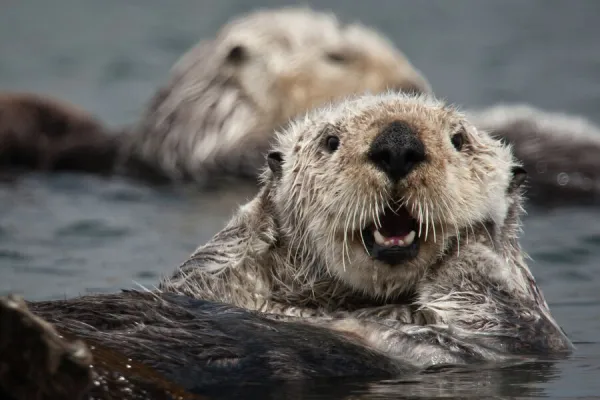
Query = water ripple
x=92 y=229
x=13 y=255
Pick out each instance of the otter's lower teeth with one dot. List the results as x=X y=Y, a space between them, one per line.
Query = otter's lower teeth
x=394 y=241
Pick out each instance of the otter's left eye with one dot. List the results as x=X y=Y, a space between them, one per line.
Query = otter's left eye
x=333 y=142
x=458 y=140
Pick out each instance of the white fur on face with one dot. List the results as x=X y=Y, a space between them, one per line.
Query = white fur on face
x=329 y=198
x=299 y=58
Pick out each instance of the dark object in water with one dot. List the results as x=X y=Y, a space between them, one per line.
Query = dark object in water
x=164 y=346
x=560 y=151
x=39 y=133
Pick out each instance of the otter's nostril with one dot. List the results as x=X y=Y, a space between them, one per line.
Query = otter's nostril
x=397 y=150
x=382 y=158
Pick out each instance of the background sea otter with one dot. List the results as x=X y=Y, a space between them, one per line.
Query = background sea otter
x=216 y=114
x=214 y=118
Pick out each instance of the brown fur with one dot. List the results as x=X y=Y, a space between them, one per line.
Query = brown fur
x=42 y=133
x=115 y=342
x=145 y=345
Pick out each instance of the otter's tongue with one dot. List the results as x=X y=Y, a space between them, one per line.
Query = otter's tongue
x=397 y=229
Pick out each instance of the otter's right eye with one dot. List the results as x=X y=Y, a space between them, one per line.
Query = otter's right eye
x=333 y=142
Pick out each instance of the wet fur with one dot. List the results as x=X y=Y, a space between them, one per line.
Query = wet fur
x=155 y=345
x=164 y=345
x=469 y=299
x=290 y=251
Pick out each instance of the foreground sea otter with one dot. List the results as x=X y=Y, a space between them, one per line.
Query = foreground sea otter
x=383 y=241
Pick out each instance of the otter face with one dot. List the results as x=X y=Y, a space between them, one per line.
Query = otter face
x=379 y=187
x=291 y=60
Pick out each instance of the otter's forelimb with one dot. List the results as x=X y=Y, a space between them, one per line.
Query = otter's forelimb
x=492 y=301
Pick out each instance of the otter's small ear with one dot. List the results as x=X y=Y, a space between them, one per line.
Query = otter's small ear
x=237 y=55
x=519 y=176
x=274 y=160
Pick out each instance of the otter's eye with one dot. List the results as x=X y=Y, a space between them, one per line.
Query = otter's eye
x=333 y=142
x=237 y=55
x=458 y=140
x=338 y=58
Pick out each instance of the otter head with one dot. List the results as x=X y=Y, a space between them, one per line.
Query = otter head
x=294 y=59
x=375 y=190
x=287 y=61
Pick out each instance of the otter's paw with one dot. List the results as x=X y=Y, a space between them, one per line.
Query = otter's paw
x=35 y=361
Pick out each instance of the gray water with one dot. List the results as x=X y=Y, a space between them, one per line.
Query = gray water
x=67 y=235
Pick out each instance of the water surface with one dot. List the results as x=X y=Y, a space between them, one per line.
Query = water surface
x=67 y=235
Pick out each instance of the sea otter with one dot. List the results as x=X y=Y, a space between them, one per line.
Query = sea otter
x=215 y=116
x=387 y=223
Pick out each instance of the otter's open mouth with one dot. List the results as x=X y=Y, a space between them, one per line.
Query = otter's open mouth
x=396 y=240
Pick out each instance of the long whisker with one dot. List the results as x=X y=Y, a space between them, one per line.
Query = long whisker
x=420 y=219
x=426 y=221
x=433 y=223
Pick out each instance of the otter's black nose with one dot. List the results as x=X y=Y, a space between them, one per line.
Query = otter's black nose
x=397 y=150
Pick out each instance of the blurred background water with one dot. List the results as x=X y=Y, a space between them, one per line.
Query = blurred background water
x=66 y=235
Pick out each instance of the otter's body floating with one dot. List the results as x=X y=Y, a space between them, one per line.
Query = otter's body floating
x=40 y=133
x=143 y=344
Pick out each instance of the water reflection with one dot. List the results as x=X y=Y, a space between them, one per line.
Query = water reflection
x=523 y=381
